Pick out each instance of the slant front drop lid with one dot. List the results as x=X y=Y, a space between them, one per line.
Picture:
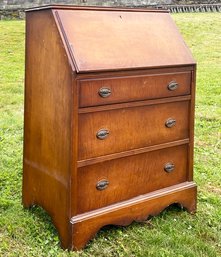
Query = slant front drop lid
x=109 y=117
x=112 y=40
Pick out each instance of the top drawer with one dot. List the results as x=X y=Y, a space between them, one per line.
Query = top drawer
x=125 y=89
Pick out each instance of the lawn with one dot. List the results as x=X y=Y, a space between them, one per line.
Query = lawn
x=174 y=232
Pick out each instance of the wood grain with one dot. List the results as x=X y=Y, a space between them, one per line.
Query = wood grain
x=146 y=149
x=85 y=226
x=135 y=72
x=47 y=129
x=191 y=126
x=134 y=104
x=70 y=53
x=109 y=42
x=130 y=176
x=135 y=88
x=97 y=8
x=131 y=128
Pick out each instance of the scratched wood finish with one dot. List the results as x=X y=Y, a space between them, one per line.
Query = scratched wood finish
x=145 y=172
x=135 y=52
x=131 y=128
x=126 y=89
x=47 y=130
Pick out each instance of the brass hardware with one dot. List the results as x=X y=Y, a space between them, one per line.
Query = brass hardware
x=103 y=184
x=170 y=123
x=104 y=92
x=102 y=134
x=173 y=85
x=169 y=167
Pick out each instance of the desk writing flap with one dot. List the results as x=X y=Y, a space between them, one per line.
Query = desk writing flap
x=104 y=40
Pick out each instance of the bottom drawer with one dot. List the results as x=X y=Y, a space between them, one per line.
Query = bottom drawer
x=112 y=181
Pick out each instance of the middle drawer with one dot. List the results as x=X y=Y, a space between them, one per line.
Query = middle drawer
x=112 y=131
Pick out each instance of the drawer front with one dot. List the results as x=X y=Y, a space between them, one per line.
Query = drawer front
x=108 y=182
x=107 y=91
x=107 y=132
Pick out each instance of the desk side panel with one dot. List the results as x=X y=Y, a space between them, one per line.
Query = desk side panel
x=47 y=127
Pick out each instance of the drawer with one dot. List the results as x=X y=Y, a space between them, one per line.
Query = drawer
x=110 y=131
x=108 y=91
x=112 y=181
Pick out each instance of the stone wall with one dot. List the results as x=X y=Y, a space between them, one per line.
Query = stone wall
x=15 y=8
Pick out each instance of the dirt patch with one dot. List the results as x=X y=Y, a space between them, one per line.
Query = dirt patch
x=213 y=189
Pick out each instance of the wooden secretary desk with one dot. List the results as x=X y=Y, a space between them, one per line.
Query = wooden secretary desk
x=109 y=117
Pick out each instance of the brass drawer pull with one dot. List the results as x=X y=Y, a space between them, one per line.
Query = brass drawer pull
x=102 y=134
x=103 y=184
x=173 y=85
x=169 y=167
x=104 y=92
x=170 y=123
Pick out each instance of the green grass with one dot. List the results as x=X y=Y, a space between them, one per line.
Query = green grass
x=172 y=233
